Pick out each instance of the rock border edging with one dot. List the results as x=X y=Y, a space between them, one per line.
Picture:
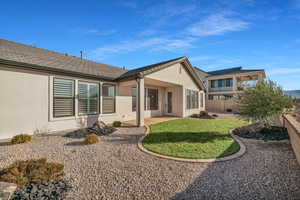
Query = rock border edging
x=238 y=154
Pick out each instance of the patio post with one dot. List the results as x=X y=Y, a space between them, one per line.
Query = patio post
x=140 y=102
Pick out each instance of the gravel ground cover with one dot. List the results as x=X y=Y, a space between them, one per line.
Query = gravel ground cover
x=116 y=169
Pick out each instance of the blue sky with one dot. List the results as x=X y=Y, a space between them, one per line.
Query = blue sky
x=213 y=34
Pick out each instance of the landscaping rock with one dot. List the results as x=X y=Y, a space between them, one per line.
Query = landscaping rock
x=260 y=132
x=6 y=190
x=52 y=190
x=99 y=128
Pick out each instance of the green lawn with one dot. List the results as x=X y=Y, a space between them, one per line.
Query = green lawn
x=193 y=138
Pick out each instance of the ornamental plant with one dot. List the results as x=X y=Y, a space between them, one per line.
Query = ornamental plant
x=264 y=102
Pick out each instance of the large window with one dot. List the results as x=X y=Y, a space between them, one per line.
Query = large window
x=219 y=97
x=63 y=98
x=221 y=83
x=201 y=100
x=88 y=98
x=150 y=101
x=192 y=99
x=108 y=98
x=229 y=82
x=213 y=83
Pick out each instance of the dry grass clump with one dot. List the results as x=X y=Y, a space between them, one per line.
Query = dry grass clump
x=21 y=138
x=117 y=124
x=91 y=139
x=31 y=171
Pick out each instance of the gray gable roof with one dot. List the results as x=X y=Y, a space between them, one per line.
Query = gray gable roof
x=20 y=55
x=17 y=53
x=142 y=71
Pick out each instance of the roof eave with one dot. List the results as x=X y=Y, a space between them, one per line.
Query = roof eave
x=53 y=70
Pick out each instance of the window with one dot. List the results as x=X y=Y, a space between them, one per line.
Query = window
x=63 y=97
x=220 y=97
x=108 y=98
x=228 y=82
x=221 y=83
x=152 y=99
x=88 y=98
x=213 y=83
x=201 y=100
x=192 y=99
x=133 y=94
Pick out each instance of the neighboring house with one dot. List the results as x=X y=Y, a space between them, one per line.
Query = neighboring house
x=46 y=91
x=224 y=86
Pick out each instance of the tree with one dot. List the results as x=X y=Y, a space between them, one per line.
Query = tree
x=264 y=101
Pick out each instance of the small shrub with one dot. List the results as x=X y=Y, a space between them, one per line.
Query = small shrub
x=117 y=124
x=195 y=115
x=31 y=171
x=203 y=113
x=91 y=139
x=21 y=138
x=228 y=110
x=215 y=115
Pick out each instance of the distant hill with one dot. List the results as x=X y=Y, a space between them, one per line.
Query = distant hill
x=293 y=93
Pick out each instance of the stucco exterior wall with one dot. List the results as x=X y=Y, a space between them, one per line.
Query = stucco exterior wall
x=23 y=103
x=26 y=101
x=293 y=127
x=177 y=74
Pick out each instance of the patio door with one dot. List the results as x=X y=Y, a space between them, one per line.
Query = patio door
x=169 y=100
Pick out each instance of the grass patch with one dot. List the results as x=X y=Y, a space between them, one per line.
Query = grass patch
x=193 y=138
x=31 y=171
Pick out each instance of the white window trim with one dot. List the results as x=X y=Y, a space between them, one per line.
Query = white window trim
x=76 y=115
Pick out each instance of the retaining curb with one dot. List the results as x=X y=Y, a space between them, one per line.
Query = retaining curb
x=238 y=154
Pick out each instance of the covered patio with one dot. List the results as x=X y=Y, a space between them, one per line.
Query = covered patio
x=154 y=100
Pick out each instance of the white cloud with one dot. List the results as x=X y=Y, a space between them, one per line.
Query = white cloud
x=152 y=44
x=217 y=24
x=94 y=31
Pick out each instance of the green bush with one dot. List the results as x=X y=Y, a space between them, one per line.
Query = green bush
x=91 y=139
x=264 y=101
x=195 y=115
x=117 y=124
x=203 y=113
x=21 y=138
x=31 y=171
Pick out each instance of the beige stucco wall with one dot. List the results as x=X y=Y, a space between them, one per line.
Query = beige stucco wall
x=293 y=127
x=26 y=101
x=177 y=74
x=25 y=104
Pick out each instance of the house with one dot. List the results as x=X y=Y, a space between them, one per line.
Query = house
x=46 y=91
x=225 y=86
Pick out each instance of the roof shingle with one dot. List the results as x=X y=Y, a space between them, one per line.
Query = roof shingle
x=21 y=53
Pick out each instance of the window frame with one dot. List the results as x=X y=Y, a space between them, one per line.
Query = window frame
x=99 y=97
x=114 y=98
x=192 y=99
x=53 y=98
